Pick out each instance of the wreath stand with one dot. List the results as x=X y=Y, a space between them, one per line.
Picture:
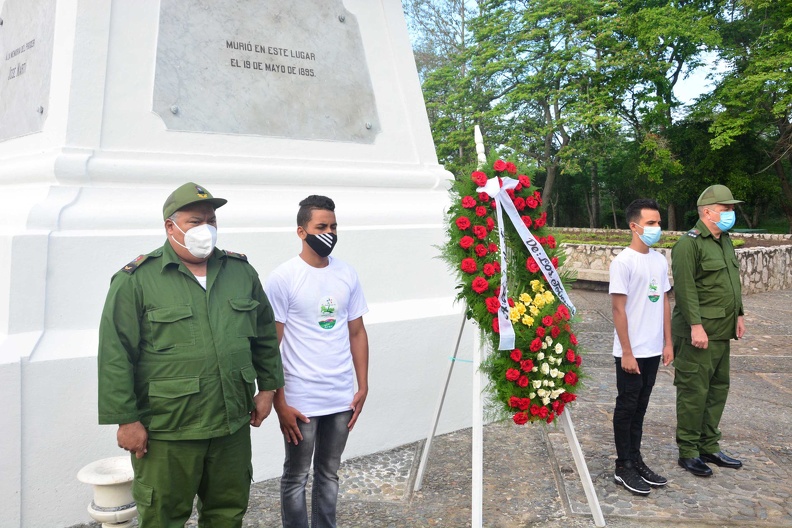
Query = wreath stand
x=477 y=495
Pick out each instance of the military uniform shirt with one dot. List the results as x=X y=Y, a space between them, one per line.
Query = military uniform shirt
x=184 y=360
x=706 y=284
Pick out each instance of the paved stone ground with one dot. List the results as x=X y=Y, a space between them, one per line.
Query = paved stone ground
x=530 y=477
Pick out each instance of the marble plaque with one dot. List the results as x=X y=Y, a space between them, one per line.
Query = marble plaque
x=26 y=34
x=286 y=68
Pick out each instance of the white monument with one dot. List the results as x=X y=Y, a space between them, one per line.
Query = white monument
x=107 y=106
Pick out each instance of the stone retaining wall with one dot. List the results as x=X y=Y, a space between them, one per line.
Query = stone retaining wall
x=762 y=268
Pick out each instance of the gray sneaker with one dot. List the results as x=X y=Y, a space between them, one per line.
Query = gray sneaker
x=627 y=475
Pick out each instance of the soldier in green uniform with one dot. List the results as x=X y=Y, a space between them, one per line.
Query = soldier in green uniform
x=186 y=335
x=708 y=313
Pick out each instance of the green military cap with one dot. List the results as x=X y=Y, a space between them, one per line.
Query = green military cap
x=717 y=194
x=187 y=194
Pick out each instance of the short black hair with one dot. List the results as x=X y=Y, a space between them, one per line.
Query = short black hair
x=633 y=211
x=307 y=206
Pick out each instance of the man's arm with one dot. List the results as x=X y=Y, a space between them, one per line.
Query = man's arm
x=287 y=416
x=266 y=358
x=619 y=309
x=668 y=344
x=358 y=344
x=683 y=266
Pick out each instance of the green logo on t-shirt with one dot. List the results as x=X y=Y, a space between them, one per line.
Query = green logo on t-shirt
x=654 y=294
x=327 y=313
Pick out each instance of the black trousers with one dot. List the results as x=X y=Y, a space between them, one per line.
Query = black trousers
x=632 y=400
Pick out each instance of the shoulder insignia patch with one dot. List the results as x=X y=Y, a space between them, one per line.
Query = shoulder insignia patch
x=240 y=256
x=693 y=233
x=135 y=264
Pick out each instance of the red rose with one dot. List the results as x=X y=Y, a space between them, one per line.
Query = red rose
x=468 y=202
x=499 y=165
x=493 y=248
x=524 y=404
x=468 y=265
x=519 y=203
x=568 y=397
x=536 y=344
x=556 y=404
x=543 y=412
x=479 y=285
x=481 y=211
x=534 y=409
x=463 y=222
x=497 y=266
x=511 y=302
x=538 y=196
x=527 y=365
x=496 y=326
x=479 y=178
x=514 y=401
x=466 y=242
x=541 y=240
x=480 y=232
x=489 y=270
x=480 y=250
x=563 y=311
x=554 y=262
x=551 y=418
x=520 y=418
x=573 y=339
x=523 y=381
x=518 y=187
x=490 y=224
x=540 y=332
x=484 y=197
x=555 y=332
x=512 y=374
x=531 y=202
x=570 y=378
x=511 y=168
x=493 y=304
x=547 y=320
x=510 y=192
x=578 y=360
x=551 y=241
x=557 y=318
x=494 y=204
x=531 y=265
x=570 y=355
x=560 y=408
x=542 y=220
x=527 y=221
x=524 y=180
x=516 y=354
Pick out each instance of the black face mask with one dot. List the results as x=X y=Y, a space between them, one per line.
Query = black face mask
x=322 y=243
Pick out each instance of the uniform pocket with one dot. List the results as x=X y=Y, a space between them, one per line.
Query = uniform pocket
x=142 y=493
x=174 y=404
x=243 y=317
x=249 y=379
x=171 y=326
x=712 y=312
x=685 y=372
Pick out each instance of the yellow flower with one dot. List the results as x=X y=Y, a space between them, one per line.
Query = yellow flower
x=514 y=314
x=548 y=295
x=539 y=301
x=528 y=320
x=536 y=286
x=520 y=308
x=534 y=310
x=524 y=297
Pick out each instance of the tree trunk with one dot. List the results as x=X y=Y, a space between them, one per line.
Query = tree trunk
x=613 y=211
x=595 y=201
x=547 y=192
x=672 y=219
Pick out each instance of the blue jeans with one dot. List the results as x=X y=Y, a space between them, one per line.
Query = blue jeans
x=324 y=439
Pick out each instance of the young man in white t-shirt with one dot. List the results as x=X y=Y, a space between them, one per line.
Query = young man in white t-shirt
x=319 y=307
x=642 y=334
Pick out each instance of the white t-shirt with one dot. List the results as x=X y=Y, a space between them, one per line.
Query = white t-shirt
x=643 y=278
x=315 y=305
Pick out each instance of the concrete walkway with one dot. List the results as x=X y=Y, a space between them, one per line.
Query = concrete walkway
x=530 y=477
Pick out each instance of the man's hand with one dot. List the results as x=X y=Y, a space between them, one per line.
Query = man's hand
x=668 y=354
x=698 y=337
x=263 y=401
x=357 y=405
x=133 y=437
x=288 y=417
x=629 y=364
x=740 y=326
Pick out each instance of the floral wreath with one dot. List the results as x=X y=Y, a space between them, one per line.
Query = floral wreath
x=536 y=379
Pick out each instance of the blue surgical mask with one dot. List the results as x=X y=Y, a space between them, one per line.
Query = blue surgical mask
x=726 y=221
x=651 y=234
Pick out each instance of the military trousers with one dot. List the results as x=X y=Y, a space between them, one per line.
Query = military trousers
x=701 y=378
x=173 y=472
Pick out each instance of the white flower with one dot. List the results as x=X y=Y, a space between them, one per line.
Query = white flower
x=546 y=400
x=544 y=346
x=554 y=373
x=548 y=340
x=545 y=383
x=560 y=375
x=556 y=393
x=532 y=395
x=545 y=368
x=537 y=383
x=540 y=356
x=551 y=384
x=535 y=369
x=559 y=348
x=542 y=393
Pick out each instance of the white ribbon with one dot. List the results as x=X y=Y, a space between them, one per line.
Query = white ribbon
x=503 y=201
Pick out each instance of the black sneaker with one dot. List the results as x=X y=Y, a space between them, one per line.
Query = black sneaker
x=628 y=476
x=649 y=476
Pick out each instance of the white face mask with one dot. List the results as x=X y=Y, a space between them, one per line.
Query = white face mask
x=199 y=240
